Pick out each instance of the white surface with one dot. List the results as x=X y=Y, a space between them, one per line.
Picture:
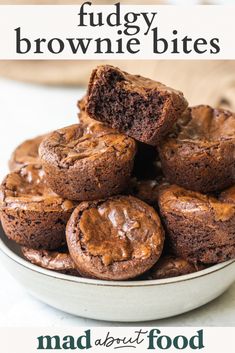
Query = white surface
x=27 y=111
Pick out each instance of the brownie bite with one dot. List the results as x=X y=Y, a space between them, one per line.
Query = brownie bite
x=26 y=153
x=172 y=266
x=59 y=261
x=87 y=161
x=199 y=154
x=199 y=228
x=31 y=213
x=137 y=106
x=114 y=239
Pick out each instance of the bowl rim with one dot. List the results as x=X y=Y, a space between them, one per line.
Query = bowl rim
x=96 y=282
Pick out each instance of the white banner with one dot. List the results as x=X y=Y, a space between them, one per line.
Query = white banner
x=127 y=339
x=116 y=32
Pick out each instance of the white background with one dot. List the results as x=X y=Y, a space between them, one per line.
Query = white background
x=27 y=111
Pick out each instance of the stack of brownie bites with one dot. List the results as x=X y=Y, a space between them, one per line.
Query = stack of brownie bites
x=141 y=188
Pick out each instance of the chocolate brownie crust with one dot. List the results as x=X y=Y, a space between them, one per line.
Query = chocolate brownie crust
x=139 y=107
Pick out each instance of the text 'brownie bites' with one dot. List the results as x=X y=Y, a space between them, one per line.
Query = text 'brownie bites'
x=87 y=161
x=31 y=213
x=139 y=107
x=114 y=239
x=199 y=227
x=199 y=154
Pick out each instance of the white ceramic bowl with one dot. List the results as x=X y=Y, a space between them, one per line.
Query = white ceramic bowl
x=117 y=301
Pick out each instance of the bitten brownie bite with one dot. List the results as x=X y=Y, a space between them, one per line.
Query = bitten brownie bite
x=87 y=161
x=137 y=106
x=26 y=153
x=31 y=213
x=114 y=239
x=59 y=260
x=199 y=228
x=199 y=154
x=172 y=266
